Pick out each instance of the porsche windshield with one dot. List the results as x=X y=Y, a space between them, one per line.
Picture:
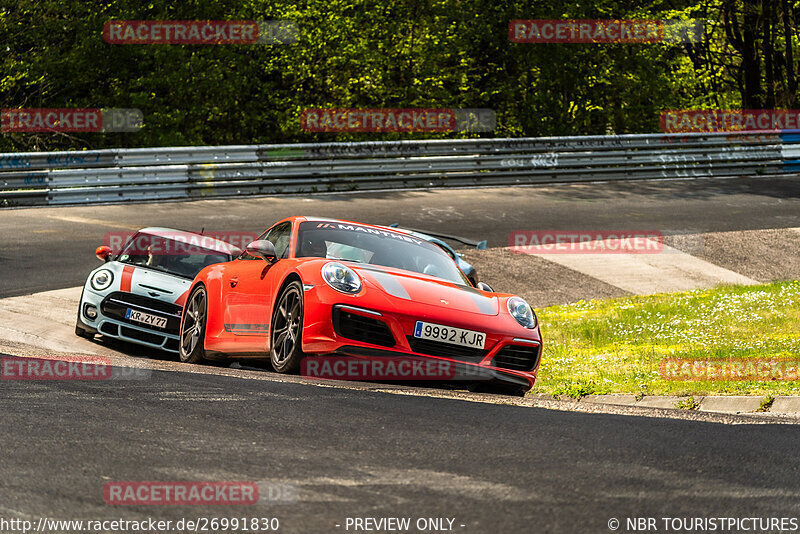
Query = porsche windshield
x=362 y=244
x=168 y=255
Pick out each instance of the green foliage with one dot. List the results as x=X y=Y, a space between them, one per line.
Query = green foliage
x=766 y=403
x=687 y=404
x=353 y=53
x=622 y=344
x=577 y=389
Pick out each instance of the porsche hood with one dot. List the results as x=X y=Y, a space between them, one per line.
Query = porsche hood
x=428 y=290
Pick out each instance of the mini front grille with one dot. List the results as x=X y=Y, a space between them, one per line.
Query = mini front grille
x=117 y=304
x=446 y=350
x=360 y=328
x=517 y=357
x=110 y=329
x=141 y=336
x=146 y=302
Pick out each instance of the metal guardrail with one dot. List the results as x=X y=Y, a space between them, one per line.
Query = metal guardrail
x=118 y=175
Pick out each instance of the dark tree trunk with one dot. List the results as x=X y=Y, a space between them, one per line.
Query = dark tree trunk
x=791 y=80
x=751 y=63
x=768 y=49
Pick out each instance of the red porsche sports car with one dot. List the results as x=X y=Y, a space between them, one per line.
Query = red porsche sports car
x=329 y=288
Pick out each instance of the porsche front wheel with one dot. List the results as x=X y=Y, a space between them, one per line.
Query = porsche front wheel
x=285 y=351
x=193 y=327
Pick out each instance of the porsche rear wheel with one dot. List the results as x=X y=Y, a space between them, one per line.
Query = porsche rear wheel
x=285 y=351
x=193 y=327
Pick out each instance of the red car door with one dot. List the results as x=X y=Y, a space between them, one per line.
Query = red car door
x=247 y=289
x=248 y=286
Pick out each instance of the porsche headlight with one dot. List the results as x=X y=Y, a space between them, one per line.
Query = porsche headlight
x=102 y=279
x=341 y=278
x=522 y=312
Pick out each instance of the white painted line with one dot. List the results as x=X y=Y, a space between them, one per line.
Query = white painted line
x=645 y=274
x=71 y=294
x=92 y=222
x=45 y=320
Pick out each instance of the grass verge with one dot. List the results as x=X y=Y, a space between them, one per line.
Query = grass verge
x=621 y=345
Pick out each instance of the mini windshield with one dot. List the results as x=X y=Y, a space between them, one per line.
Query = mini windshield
x=168 y=255
x=362 y=244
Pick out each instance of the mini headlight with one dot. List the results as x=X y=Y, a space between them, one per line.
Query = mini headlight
x=102 y=279
x=341 y=278
x=522 y=312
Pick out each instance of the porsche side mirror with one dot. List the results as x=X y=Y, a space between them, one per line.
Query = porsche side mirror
x=103 y=253
x=483 y=286
x=262 y=249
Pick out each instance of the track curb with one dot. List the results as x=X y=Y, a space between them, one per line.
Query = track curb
x=730 y=404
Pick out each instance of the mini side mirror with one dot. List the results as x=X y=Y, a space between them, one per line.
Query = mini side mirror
x=103 y=253
x=483 y=286
x=262 y=249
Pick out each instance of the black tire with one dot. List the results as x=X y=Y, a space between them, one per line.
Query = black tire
x=515 y=392
x=80 y=332
x=286 y=332
x=511 y=391
x=191 y=342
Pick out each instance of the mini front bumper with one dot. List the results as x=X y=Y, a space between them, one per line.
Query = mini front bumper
x=125 y=331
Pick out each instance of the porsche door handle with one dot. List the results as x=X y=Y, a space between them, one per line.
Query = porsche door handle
x=234 y=281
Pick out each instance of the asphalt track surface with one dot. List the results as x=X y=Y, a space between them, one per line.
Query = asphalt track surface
x=355 y=453
x=53 y=248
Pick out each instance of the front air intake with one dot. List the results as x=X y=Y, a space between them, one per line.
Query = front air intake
x=360 y=328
